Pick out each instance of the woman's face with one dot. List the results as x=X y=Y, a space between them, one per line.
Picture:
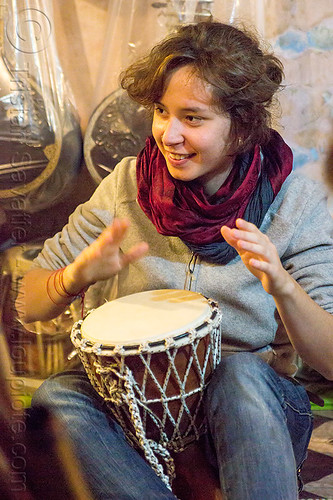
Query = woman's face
x=190 y=133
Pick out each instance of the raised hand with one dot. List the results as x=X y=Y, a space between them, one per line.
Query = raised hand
x=103 y=258
x=259 y=256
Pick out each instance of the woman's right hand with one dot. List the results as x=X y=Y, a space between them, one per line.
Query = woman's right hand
x=103 y=258
x=41 y=296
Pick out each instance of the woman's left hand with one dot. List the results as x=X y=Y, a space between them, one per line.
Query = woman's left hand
x=260 y=256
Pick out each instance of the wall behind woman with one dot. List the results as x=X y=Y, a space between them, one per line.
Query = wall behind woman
x=304 y=40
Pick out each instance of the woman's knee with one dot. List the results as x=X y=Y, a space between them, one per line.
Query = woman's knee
x=242 y=369
x=242 y=379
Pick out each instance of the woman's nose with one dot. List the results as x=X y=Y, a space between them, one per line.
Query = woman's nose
x=173 y=132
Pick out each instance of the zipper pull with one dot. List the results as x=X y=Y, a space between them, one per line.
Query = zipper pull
x=190 y=272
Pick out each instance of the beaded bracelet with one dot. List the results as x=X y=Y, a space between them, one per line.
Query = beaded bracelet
x=60 y=289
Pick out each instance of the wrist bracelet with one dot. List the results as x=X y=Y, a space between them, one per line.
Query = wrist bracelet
x=60 y=289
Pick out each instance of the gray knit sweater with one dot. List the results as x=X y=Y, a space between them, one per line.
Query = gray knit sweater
x=298 y=223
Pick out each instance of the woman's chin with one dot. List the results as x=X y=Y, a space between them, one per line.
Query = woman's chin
x=182 y=174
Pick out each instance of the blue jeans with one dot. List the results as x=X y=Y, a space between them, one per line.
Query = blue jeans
x=260 y=425
x=259 y=428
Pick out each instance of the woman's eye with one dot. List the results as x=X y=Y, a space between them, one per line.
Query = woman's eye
x=193 y=119
x=158 y=110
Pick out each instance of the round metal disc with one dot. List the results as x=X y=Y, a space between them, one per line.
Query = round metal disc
x=117 y=128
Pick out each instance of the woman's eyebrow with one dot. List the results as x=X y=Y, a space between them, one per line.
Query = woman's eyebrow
x=194 y=110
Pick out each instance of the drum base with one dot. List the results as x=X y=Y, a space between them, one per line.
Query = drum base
x=195 y=480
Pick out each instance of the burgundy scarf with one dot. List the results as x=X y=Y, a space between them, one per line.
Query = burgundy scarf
x=182 y=209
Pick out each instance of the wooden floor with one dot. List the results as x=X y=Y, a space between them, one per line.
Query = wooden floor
x=317 y=472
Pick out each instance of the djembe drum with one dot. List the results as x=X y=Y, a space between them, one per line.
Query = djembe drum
x=150 y=355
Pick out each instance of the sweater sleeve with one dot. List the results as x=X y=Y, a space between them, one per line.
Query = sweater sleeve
x=309 y=256
x=84 y=225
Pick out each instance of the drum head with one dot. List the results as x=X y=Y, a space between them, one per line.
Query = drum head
x=150 y=316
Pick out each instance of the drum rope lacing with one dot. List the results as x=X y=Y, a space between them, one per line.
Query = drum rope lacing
x=149 y=446
x=177 y=441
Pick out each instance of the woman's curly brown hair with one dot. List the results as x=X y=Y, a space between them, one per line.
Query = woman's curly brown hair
x=243 y=77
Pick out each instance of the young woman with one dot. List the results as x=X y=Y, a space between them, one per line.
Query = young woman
x=210 y=204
